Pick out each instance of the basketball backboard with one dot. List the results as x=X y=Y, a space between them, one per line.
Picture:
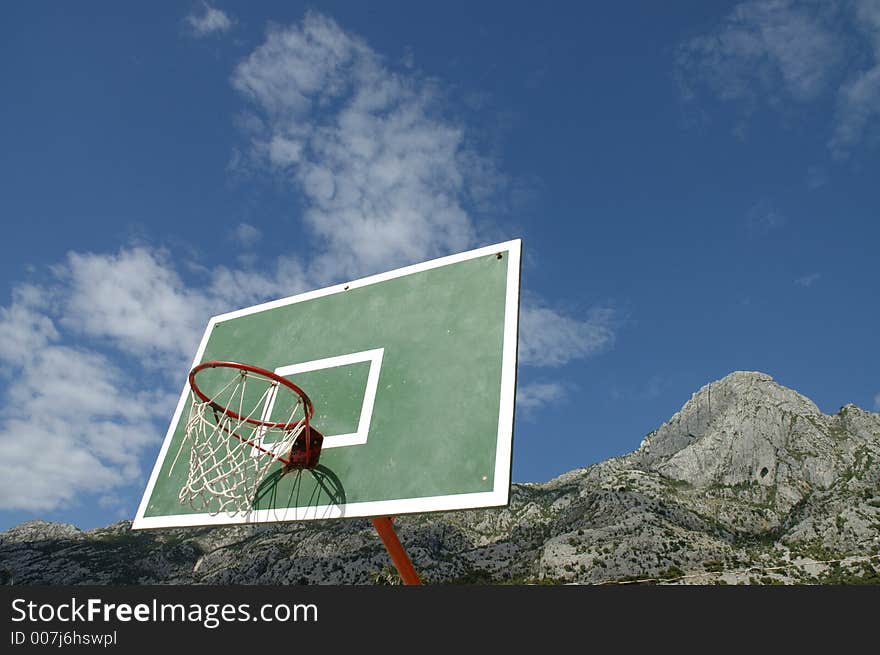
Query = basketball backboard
x=412 y=374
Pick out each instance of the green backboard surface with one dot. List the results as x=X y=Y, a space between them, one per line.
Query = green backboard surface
x=413 y=377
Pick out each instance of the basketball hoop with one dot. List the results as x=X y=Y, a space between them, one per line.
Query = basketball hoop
x=232 y=440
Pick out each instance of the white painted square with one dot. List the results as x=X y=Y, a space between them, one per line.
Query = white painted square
x=363 y=430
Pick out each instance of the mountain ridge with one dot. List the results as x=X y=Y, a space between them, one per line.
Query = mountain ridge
x=749 y=482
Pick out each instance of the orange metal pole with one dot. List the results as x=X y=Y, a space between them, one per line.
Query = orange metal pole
x=395 y=549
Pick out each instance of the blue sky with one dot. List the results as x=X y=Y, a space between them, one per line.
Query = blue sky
x=692 y=184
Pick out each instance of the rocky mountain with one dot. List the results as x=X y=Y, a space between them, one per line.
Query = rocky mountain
x=748 y=483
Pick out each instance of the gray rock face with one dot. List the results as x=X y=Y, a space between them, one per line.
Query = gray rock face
x=748 y=433
x=744 y=429
x=748 y=482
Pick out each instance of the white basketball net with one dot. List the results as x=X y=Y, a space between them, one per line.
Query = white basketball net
x=228 y=456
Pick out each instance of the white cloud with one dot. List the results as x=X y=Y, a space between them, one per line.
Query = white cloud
x=549 y=338
x=533 y=397
x=234 y=288
x=763 y=218
x=858 y=106
x=807 y=280
x=781 y=52
x=135 y=299
x=771 y=50
x=877 y=402
x=210 y=21
x=409 y=57
x=24 y=327
x=858 y=102
x=816 y=177
x=650 y=389
x=385 y=177
x=246 y=235
x=74 y=422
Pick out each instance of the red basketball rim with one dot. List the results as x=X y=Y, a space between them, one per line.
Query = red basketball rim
x=307 y=403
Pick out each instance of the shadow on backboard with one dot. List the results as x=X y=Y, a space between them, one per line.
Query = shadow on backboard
x=316 y=493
